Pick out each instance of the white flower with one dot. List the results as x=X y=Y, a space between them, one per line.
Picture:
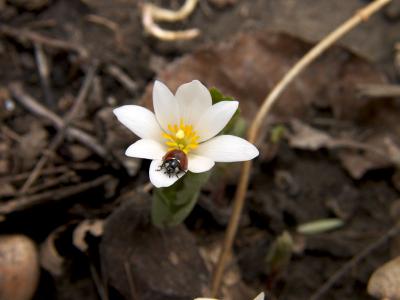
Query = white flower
x=188 y=122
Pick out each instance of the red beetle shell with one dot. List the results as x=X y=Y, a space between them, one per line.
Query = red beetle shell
x=177 y=155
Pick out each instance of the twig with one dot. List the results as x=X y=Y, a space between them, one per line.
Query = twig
x=114 y=27
x=24 y=202
x=131 y=283
x=24 y=34
x=52 y=170
x=44 y=72
x=378 y=90
x=395 y=230
x=74 y=133
x=57 y=140
x=52 y=182
x=11 y=134
x=122 y=78
x=101 y=289
x=151 y=13
x=38 y=24
x=240 y=195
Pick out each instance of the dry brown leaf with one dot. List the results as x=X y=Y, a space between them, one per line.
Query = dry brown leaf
x=134 y=252
x=385 y=281
x=50 y=258
x=378 y=151
x=396 y=179
x=358 y=163
x=248 y=66
x=308 y=138
x=94 y=227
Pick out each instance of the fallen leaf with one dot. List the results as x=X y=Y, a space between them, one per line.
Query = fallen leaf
x=94 y=227
x=249 y=65
x=132 y=251
x=396 y=179
x=308 y=138
x=374 y=152
x=50 y=258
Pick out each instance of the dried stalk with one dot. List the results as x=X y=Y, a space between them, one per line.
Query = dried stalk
x=316 y=51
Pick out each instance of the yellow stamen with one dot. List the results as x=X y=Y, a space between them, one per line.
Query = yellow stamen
x=180 y=134
x=181 y=137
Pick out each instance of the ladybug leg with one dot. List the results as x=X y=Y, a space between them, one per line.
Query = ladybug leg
x=160 y=167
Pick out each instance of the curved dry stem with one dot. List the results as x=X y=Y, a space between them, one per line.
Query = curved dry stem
x=317 y=50
x=152 y=13
x=162 y=14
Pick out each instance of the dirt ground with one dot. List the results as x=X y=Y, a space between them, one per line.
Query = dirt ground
x=329 y=149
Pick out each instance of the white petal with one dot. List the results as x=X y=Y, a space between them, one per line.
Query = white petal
x=260 y=296
x=146 y=148
x=158 y=178
x=139 y=120
x=165 y=105
x=227 y=148
x=193 y=99
x=199 y=164
x=215 y=119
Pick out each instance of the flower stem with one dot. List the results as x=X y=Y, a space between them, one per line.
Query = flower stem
x=310 y=56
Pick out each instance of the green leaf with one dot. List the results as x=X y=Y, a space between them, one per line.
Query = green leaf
x=320 y=226
x=217 y=96
x=280 y=253
x=277 y=133
x=236 y=125
x=173 y=204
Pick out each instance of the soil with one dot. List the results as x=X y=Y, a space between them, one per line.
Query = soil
x=244 y=49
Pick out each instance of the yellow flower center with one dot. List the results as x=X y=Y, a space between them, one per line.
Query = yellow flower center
x=181 y=137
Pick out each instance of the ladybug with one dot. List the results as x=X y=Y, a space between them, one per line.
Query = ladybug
x=174 y=162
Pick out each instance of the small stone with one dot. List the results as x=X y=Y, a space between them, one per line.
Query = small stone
x=19 y=267
x=385 y=281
